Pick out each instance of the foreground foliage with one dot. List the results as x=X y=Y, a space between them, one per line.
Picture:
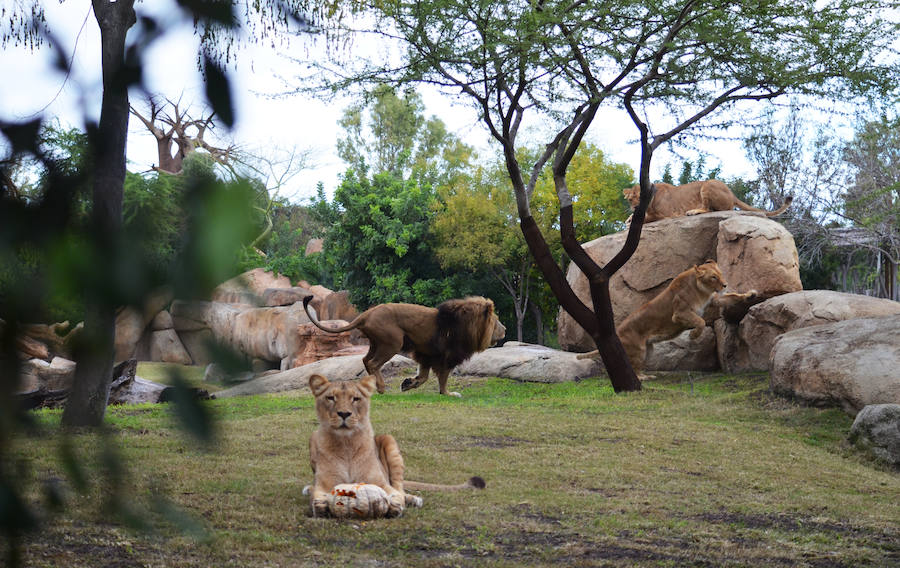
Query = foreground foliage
x=709 y=472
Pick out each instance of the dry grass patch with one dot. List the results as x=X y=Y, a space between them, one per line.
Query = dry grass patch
x=709 y=472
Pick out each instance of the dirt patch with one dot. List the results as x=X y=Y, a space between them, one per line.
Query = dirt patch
x=495 y=442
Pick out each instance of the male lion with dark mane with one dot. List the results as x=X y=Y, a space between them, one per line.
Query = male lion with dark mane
x=438 y=338
x=692 y=199
x=345 y=449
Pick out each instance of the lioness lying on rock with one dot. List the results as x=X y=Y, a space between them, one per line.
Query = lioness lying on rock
x=692 y=199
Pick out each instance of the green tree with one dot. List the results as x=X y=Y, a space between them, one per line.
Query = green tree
x=379 y=248
x=563 y=60
x=872 y=201
x=596 y=186
x=477 y=230
x=395 y=137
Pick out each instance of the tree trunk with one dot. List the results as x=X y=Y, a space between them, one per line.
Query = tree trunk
x=538 y=322
x=598 y=323
x=86 y=405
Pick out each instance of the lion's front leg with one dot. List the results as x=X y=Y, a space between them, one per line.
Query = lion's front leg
x=685 y=317
x=392 y=464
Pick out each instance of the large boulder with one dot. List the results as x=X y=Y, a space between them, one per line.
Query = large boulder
x=748 y=348
x=335 y=306
x=669 y=247
x=132 y=323
x=529 y=363
x=758 y=254
x=333 y=368
x=316 y=344
x=877 y=429
x=284 y=296
x=37 y=374
x=166 y=346
x=849 y=364
x=248 y=288
x=684 y=353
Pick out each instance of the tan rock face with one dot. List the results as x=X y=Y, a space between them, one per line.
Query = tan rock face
x=766 y=321
x=166 y=346
x=314 y=246
x=758 y=253
x=316 y=344
x=248 y=287
x=264 y=333
x=849 y=364
x=284 y=296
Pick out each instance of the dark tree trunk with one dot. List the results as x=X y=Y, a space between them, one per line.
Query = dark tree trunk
x=597 y=323
x=538 y=322
x=87 y=401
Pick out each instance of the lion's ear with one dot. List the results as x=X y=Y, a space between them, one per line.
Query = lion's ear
x=317 y=384
x=367 y=384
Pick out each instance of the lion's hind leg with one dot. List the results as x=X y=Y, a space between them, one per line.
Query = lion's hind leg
x=378 y=355
x=705 y=201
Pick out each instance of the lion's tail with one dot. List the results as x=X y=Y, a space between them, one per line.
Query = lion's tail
x=473 y=483
x=787 y=203
x=352 y=325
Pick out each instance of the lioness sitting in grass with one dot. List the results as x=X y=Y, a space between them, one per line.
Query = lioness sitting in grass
x=345 y=449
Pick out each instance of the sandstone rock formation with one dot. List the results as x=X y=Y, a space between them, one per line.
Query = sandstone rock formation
x=747 y=347
x=849 y=364
x=248 y=288
x=315 y=344
x=684 y=353
x=758 y=254
x=264 y=333
x=314 y=246
x=284 y=296
x=877 y=429
x=131 y=323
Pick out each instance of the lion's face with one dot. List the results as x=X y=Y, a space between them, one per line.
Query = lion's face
x=710 y=277
x=343 y=406
x=632 y=195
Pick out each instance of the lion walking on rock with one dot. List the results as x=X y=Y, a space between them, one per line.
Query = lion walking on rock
x=438 y=338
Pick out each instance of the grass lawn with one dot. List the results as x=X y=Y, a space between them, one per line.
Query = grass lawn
x=714 y=472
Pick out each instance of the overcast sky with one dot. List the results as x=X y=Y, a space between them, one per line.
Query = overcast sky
x=31 y=85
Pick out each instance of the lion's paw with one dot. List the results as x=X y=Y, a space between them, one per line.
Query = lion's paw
x=414 y=501
x=320 y=508
x=696 y=332
x=396 y=504
x=409 y=384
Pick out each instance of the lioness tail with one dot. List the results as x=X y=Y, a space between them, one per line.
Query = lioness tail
x=779 y=211
x=473 y=483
